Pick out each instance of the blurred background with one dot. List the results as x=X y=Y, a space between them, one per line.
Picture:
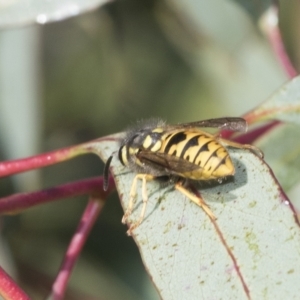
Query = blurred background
x=80 y=78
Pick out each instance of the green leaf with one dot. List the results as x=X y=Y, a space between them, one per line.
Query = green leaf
x=254 y=8
x=252 y=251
x=21 y=12
x=283 y=105
x=282 y=151
x=281 y=145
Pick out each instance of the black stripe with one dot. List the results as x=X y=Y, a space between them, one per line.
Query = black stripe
x=190 y=143
x=120 y=154
x=212 y=154
x=220 y=163
x=168 y=136
x=175 y=139
x=203 y=148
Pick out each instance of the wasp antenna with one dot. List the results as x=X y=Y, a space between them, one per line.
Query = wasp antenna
x=106 y=173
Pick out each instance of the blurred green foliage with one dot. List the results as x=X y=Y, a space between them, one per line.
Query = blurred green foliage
x=102 y=71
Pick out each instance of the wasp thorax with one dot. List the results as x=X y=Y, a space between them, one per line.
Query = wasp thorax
x=152 y=141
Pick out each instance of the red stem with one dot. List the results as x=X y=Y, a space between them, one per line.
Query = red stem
x=271 y=29
x=79 y=238
x=18 y=202
x=251 y=136
x=9 y=290
x=11 y=167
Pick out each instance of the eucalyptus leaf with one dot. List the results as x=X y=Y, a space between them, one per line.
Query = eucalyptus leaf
x=21 y=12
x=282 y=152
x=254 y=8
x=251 y=251
x=283 y=105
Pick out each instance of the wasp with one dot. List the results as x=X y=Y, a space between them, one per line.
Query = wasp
x=177 y=153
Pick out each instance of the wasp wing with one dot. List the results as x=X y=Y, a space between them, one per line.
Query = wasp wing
x=168 y=164
x=229 y=123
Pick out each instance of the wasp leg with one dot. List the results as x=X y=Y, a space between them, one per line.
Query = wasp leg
x=254 y=149
x=144 y=178
x=196 y=199
x=131 y=199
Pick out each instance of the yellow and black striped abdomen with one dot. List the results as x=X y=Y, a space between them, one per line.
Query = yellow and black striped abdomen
x=200 y=149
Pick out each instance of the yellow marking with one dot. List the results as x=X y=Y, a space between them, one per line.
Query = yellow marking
x=224 y=170
x=156 y=146
x=193 y=150
x=202 y=158
x=195 y=175
x=124 y=156
x=147 y=142
x=132 y=151
x=213 y=146
x=159 y=130
x=179 y=146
